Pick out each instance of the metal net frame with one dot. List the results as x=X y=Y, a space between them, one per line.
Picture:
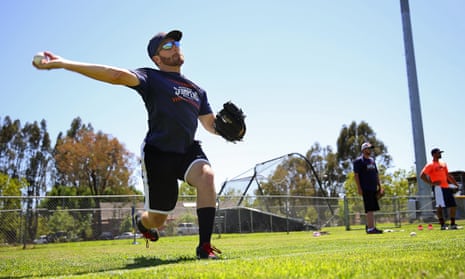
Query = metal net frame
x=287 y=185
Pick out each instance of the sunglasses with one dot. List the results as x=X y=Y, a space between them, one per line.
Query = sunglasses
x=170 y=45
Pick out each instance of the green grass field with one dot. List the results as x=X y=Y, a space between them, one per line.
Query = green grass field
x=338 y=254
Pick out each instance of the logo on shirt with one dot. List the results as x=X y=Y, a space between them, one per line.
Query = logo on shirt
x=186 y=94
x=371 y=166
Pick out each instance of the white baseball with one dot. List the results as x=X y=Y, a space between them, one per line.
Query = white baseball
x=38 y=58
x=413 y=234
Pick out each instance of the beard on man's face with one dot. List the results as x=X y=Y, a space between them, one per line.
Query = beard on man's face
x=174 y=60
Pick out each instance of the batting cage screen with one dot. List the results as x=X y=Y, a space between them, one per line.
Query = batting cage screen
x=281 y=194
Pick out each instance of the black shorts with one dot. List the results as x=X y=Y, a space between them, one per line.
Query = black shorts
x=161 y=172
x=370 y=202
x=449 y=198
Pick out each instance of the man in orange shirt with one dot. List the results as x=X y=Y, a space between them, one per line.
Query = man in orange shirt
x=437 y=175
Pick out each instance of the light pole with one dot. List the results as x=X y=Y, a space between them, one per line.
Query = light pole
x=415 y=110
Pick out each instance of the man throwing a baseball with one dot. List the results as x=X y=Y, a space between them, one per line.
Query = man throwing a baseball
x=175 y=105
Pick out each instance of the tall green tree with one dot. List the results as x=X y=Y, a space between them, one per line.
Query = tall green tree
x=324 y=161
x=351 y=138
x=26 y=153
x=38 y=161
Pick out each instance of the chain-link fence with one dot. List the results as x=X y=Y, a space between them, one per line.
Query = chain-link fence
x=287 y=213
x=75 y=218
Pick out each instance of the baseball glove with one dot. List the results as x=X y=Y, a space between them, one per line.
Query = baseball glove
x=229 y=122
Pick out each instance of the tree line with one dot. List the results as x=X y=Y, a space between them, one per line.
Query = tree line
x=92 y=162
x=82 y=162
x=85 y=162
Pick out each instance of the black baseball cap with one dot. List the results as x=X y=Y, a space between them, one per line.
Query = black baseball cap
x=154 y=43
x=435 y=150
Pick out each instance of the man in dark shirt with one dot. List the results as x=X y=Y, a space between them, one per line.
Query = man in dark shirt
x=367 y=180
x=175 y=105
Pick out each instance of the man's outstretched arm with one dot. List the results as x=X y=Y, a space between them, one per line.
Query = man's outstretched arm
x=108 y=74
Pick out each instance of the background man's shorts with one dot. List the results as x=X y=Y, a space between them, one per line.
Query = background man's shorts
x=444 y=197
x=370 y=201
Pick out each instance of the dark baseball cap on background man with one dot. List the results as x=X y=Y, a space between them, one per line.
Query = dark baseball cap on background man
x=436 y=150
x=367 y=145
x=154 y=43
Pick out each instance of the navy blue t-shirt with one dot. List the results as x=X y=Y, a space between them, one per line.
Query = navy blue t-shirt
x=173 y=104
x=367 y=173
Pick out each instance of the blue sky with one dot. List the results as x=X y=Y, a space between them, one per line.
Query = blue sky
x=299 y=69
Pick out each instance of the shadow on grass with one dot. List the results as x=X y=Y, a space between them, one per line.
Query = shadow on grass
x=153 y=261
x=139 y=262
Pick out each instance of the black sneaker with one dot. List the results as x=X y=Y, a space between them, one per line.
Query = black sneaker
x=453 y=227
x=149 y=234
x=444 y=227
x=207 y=251
x=374 y=231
